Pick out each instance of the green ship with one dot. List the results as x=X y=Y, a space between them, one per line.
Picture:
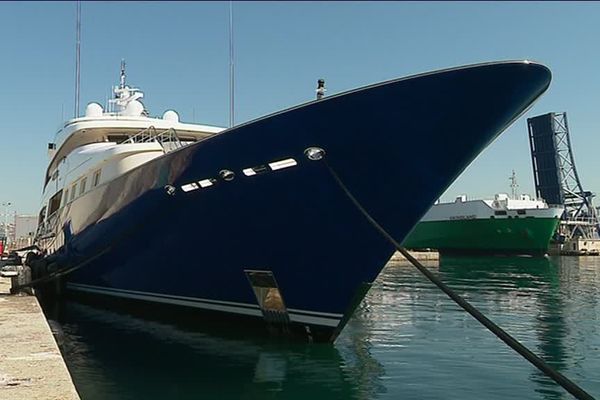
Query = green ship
x=503 y=225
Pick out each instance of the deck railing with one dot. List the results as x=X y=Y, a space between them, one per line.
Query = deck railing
x=47 y=233
x=167 y=139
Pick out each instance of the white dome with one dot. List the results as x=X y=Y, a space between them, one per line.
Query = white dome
x=134 y=109
x=171 y=116
x=93 y=110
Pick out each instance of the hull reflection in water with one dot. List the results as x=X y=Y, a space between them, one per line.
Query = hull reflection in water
x=407 y=340
x=118 y=356
x=431 y=348
x=544 y=303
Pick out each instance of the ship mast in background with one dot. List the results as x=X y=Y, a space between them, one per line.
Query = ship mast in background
x=513 y=184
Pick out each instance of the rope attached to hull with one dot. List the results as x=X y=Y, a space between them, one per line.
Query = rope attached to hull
x=513 y=343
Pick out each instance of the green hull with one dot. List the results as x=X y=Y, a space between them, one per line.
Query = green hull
x=506 y=235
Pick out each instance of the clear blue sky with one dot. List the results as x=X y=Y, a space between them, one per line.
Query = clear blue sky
x=178 y=54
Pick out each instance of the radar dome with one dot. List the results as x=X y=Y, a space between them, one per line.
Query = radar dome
x=171 y=116
x=93 y=110
x=134 y=109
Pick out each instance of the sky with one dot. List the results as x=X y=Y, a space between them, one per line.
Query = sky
x=178 y=54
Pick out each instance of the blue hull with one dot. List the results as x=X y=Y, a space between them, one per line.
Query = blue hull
x=397 y=146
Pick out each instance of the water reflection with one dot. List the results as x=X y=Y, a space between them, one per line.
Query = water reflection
x=531 y=294
x=523 y=288
x=407 y=340
x=117 y=356
x=356 y=347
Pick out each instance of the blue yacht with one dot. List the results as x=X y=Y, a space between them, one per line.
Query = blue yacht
x=250 y=221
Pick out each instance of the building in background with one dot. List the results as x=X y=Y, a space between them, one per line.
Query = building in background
x=17 y=231
x=7 y=227
x=24 y=231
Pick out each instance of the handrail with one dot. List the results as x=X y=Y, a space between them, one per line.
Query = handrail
x=142 y=136
x=150 y=134
x=47 y=227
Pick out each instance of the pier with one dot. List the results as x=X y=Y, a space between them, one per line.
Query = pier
x=31 y=365
x=419 y=255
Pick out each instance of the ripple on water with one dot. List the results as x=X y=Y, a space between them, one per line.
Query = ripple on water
x=406 y=340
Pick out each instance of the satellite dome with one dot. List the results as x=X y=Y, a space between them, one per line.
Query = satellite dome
x=171 y=116
x=93 y=110
x=134 y=109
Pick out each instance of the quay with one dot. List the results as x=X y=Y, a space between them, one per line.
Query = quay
x=31 y=365
x=419 y=255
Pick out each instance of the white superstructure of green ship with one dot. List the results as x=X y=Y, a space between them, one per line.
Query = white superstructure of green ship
x=503 y=225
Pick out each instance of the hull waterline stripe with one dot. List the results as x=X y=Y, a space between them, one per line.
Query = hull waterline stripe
x=322 y=314
x=167 y=296
x=166 y=300
x=233 y=303
x=306 y=319
x=239 y=308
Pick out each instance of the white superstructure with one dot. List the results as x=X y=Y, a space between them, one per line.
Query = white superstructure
x=92 y=150
x=502 y=206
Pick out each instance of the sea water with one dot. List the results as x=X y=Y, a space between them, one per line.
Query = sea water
x=407 y=340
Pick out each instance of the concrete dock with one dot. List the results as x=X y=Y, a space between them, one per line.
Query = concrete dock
x=419 y=255
x=31 y=365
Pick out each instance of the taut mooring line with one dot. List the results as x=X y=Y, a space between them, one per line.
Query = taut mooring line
x=513 y=343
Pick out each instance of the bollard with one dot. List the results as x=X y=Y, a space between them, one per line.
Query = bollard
x=21 y=278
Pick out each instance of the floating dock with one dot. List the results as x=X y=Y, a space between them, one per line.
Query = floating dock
x=31 y=365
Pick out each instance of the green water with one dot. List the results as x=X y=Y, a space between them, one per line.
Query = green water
x=406 y=341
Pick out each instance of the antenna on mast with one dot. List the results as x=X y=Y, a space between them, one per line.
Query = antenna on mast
x=513 y=184
x=122 y=77
x=77 y=58
x=231 y=74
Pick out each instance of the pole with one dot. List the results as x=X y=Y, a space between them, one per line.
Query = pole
x=231 y=67
x=77 y=58
x=6 y=205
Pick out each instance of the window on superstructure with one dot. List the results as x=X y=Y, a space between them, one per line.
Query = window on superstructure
x=66 y=197
x=73 y=192
x=42 y=215
x=117 y=138
x=501 y=212
x=54 y=203
x=82 y=186
x=96 y=180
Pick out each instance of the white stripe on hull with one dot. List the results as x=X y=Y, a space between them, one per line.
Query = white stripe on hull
x=300 y=316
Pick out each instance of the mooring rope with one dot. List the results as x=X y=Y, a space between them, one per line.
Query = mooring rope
x=69 y=269
x=60 y=272
x=513 y=343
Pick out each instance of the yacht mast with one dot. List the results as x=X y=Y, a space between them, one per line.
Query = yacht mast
x=77 y=58
x=231 y=65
